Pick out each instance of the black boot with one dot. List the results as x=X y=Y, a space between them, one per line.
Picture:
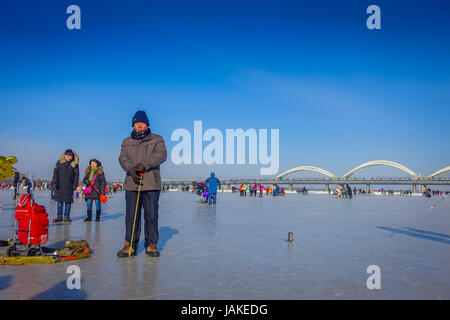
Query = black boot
x=58 y=219
x=97 y=217
x=89 y=216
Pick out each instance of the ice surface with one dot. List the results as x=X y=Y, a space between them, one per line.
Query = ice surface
x=239 y=250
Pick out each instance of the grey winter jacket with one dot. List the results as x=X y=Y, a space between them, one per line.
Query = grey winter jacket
x=151 y=152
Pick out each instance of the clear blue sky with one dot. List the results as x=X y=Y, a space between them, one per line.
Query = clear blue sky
x=340 y=94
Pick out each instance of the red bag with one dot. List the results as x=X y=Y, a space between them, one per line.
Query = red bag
x=32 y=221
x=103 y=198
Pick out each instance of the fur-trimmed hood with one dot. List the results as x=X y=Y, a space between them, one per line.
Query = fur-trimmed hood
x=73 y=163
x=88 y=170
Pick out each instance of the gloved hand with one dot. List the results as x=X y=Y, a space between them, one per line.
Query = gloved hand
x=140 y=168
x=136 y=171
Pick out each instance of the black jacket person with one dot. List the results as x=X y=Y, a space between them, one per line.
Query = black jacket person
x=142 y=152
x=65 y=180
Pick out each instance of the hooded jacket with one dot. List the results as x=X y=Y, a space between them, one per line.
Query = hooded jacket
x=212 y=183
x=65 y=178
x=151 y=152
x=99 y=183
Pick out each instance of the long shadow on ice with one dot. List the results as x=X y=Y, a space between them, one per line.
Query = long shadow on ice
x=61 y=292
x=5 y=281
x=442 y=235
x=416 y=235
x=165 y=234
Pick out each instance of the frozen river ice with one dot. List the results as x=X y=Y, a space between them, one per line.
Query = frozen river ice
x=239 y=250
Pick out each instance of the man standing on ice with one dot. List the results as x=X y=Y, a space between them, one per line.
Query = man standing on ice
x=212 y=183
x=142 y=153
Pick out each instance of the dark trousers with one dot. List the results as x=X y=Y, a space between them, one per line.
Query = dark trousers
x=212 y=198
x=149 y=201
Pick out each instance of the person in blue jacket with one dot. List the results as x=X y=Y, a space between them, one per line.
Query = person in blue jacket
x=212 y=183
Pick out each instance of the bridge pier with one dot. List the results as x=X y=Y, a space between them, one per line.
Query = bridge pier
x=290 y=187
x=368 y=188
x=414 y=188
x=327 y=188
x=423 y=188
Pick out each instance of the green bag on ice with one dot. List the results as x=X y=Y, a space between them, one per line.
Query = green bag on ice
x=78 y=249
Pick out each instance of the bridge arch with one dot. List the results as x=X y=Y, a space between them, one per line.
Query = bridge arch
x=431 y=176
x=382 y=163
x=306 y=168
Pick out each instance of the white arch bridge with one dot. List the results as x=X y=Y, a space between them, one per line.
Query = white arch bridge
x=413 y=178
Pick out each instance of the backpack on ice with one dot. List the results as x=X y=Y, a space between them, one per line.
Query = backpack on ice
x=31 y=222
x=75 y=249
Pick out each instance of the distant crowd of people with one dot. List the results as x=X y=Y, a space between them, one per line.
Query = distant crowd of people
x=303 y=191
x=344 y=191
x=429 y=193
x=258 y=190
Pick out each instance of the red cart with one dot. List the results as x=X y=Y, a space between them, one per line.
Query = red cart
x=31 y=228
